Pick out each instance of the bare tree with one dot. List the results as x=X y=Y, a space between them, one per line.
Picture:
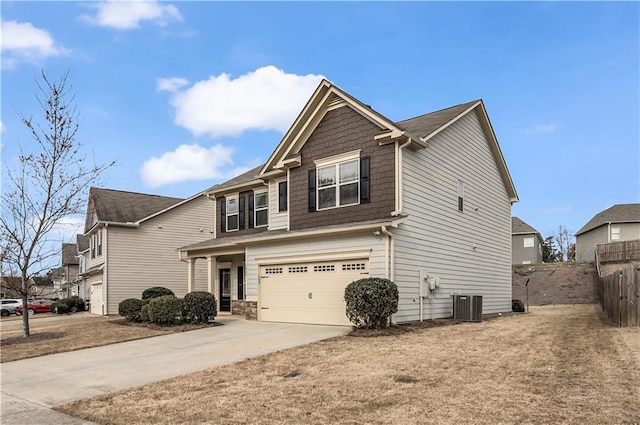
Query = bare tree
x=47 y=184
x=563 y=239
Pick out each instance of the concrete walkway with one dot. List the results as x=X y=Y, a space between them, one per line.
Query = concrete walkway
x=30 y=387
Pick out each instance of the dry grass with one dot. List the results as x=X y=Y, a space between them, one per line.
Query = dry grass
x=50 y=335
x=557 y=364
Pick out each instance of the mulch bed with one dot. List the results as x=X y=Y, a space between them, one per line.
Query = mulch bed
x=177 y=328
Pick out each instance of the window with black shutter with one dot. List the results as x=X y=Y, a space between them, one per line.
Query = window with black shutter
x=282 y=196
x=241 y=203
x=312 y=190
x=223 y=214
x=365 y=189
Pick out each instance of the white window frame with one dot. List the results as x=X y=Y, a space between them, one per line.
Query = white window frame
x=237 y=213
x=615 y=233
x=262 y=208
x=335 y=162
x=531 y=241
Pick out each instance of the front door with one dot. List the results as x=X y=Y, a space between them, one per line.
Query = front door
x=225 y=290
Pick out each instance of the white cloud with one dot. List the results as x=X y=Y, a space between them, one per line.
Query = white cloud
x=68 y=227
x=21 y=41
x=2 y=127
x=187 y=162
x=265 y=99
x=171 y=84
x=127 y=14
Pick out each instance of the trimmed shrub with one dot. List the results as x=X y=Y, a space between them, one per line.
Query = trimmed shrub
x=165 y=310
x=74 y=302
x=155 y=292
x=199 y=307
x=144 y=312
x=59 y=308
x=131 y=308
x=371 y=302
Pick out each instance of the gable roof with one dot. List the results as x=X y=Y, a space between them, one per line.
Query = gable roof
x=417 y=131
x=519 y=227
x=619 y=213
x=117 y=206
x=69 y=254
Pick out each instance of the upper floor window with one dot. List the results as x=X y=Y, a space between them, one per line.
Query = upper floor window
x=339 y=181
x=460 y=195
x=261 y=209
x=232 y=213
x=282 y=196
x=96 y=244
x=99 y=243
x=528 y=241
x=615 y=233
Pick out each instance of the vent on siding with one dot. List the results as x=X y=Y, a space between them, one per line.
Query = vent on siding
x=467 y=308
x=335 y=100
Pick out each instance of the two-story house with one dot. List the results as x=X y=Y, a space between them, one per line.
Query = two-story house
x=348 y=194
x=132 y=243
x=620 y=222
x=526 y=243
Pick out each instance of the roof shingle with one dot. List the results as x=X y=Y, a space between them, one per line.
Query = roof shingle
x=118 y=206
x=426 y=124
x=619 y=213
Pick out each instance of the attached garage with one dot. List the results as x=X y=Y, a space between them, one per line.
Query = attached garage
x=308 y=292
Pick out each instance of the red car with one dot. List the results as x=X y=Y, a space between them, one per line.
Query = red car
x=36 y=306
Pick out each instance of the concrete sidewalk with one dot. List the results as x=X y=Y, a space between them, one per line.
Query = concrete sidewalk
x=31 y=386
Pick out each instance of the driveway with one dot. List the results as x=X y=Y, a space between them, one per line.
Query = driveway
x=31 y=386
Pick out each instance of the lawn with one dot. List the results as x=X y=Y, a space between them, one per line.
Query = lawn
x=557 y=364
x=51 y=334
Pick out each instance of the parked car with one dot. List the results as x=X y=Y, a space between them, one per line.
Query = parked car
x=7 y=310
x=36 y=306
x=11 y=302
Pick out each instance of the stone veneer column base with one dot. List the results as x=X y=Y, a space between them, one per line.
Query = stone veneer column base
x=248 y=309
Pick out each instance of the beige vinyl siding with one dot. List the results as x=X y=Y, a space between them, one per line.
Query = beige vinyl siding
x=628 y=231
x=287 y=249
x=139 y=258
x=276 y=220
x=440 y=238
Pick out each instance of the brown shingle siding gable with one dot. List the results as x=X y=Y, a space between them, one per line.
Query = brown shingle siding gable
x=343 y=130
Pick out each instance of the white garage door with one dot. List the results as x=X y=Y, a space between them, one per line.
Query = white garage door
x=308 y=292
x=96 y=298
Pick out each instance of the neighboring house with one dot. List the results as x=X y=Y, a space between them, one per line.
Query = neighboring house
x=618 y=223
x=349 y=194
x=526 y=243
x=39 y=287
x=132 y=243
x=81 y=286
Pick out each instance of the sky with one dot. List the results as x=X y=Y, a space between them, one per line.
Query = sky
x=184 y=95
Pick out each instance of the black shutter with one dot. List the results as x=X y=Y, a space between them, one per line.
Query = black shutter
x=241 y=211
x=282 y=196
x=223 y=214
x=312 y=190
x=251 y=208
x=365 y=190
x=240 y=283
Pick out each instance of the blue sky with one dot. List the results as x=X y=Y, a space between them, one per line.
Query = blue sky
x=188 y=94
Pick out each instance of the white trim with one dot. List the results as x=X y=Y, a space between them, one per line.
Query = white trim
x=227 y=215
x=343 y=157
x=314 y=258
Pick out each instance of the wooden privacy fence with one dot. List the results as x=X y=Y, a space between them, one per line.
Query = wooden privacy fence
x=619 y=295
x=619 y=251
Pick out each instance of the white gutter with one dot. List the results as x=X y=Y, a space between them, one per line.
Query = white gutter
x=389 y=253
x=399 y=149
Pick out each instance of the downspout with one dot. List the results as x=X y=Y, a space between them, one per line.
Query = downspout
x=609 y=232
x=390 y=253
x=105 y=286
x=399 y=149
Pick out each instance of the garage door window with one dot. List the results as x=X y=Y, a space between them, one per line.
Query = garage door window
x=273 y=270
x=298 y=269
x=353 y=266
x=324 y=268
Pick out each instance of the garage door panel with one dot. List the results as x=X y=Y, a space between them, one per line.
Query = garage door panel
x=308 y=293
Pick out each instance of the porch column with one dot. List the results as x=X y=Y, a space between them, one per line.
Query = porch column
x=211 y=275
x=191 y=274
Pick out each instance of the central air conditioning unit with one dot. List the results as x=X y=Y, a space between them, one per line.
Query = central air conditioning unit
x=467 y=308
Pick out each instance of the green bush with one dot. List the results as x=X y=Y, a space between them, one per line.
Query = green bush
x=144 y=312
x=59 y=308
x=199 y=307
x=165 y=310
x=74 y=302
x=155 y=292
x=371 y=302
x=131 y=308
